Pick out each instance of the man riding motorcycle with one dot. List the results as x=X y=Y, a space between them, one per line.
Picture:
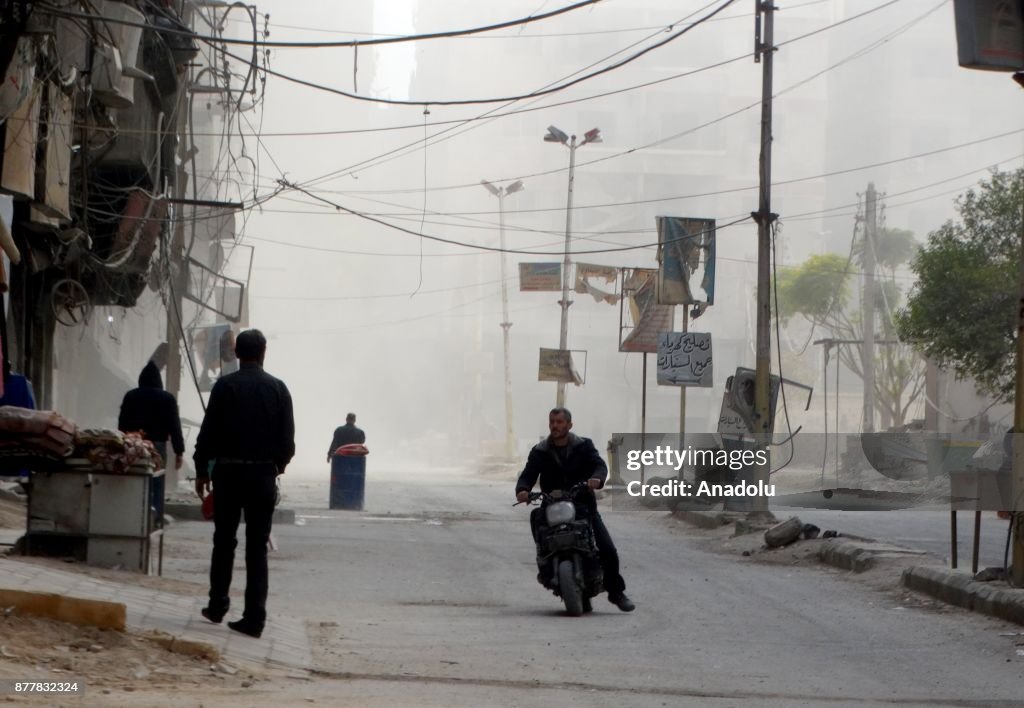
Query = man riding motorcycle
x=560 y=461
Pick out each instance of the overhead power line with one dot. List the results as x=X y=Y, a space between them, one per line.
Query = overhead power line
x=679 y=197
x=413 y=147
x=269 y=44
x=494 y=249
x=481 y=101
x=543 y=35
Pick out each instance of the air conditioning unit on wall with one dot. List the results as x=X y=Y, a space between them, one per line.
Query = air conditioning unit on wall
x=113 y=65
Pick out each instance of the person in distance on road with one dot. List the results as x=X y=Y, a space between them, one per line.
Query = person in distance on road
x=347 y=434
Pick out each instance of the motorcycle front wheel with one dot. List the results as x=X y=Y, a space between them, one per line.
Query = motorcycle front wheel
x=569 y=590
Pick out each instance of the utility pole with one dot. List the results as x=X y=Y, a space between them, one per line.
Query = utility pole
x=868 y=307
x=565 y=302
x=178 y=272
x=176 y=255
x=682 y=395
x=557 y=136
x=506 y=325
x=764 y=52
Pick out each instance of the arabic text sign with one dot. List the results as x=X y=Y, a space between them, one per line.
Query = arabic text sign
x=684 y=359
x=540 y=277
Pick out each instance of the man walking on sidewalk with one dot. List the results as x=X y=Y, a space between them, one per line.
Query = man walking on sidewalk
x=248 y=434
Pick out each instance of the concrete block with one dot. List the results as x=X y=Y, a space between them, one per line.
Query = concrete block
x=960 y=589
x=74 y=610
x=847 y=556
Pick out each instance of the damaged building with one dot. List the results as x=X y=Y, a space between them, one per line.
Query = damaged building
x=118 y=229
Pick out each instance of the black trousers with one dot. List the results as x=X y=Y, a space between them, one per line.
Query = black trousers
x=613 y=581
x=252 y=489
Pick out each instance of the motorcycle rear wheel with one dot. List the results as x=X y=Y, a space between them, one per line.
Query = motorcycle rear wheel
x=569 y=590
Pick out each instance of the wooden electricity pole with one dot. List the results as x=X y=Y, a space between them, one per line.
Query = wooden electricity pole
x=764 y=52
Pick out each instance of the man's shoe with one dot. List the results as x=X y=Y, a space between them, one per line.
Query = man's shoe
x=622 y=602
x=214 y=617
x=247 y=628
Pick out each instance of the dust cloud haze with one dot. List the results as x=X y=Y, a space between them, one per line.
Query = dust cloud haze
x=364 y=316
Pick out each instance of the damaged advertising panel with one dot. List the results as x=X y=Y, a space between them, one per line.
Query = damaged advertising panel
x=598 y=281
x=641 y=317
x=557 y=365
x=686 y=256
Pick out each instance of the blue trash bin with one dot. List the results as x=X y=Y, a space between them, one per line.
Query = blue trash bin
x=348 y=482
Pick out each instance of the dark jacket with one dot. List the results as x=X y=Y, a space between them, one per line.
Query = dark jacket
x=582 y=463
x=249 y=417
x=347 y=434
x=152 y=410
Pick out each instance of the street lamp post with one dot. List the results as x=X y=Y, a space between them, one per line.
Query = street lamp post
x=557 y=136
x=501 y=193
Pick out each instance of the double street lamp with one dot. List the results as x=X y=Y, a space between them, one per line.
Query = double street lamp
x=501 y=193
x=557 y=136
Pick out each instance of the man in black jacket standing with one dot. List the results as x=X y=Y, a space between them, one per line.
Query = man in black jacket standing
x=248 y=434
x=560 y=461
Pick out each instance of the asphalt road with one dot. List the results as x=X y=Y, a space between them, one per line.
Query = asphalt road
x=429 y=597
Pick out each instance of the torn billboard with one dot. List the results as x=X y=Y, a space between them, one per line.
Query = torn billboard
x=686 y=256
x=640 y=313
x=598 y=281
x=557 y=365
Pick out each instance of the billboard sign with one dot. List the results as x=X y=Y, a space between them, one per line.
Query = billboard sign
x=686 y=258
x=640 y=313
x=990 y=34
x=598 y=281
x=557 y=365
x=540 y=277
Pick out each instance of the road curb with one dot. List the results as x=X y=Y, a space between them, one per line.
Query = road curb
x=74 y=610
x=859 y=555
x=193 y=512
x=960 y=589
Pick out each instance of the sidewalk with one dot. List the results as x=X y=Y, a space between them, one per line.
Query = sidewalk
x=917 y=569
x=284 y=643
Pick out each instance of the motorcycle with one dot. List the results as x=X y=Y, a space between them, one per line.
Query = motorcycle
x=567 y=555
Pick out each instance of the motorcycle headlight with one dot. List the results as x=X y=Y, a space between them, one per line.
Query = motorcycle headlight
x=560 y=513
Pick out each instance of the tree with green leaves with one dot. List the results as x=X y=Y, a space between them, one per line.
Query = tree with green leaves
x=962 y=311
x=821 y=291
